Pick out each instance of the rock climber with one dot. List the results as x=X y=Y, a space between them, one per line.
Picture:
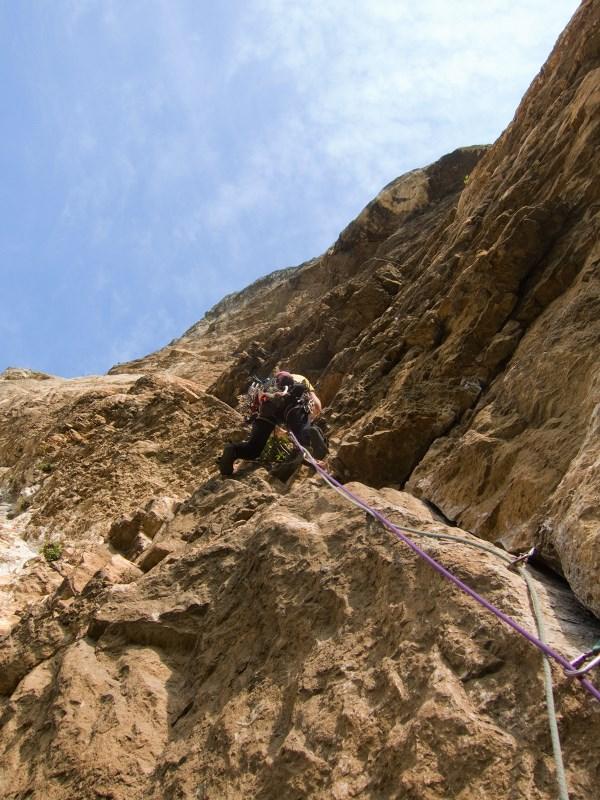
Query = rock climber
x=293 y=404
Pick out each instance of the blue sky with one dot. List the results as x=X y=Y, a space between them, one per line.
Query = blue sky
x=158 y=154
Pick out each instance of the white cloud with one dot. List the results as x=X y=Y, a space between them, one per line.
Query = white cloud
x=373 y=89
x=375 y=79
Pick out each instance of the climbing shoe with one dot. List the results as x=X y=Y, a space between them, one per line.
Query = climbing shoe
x=225 y=463
x=318 y=442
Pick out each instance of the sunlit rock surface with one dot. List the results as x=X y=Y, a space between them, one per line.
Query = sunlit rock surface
x=453 y=330
x=288 y=648
x=210 y=638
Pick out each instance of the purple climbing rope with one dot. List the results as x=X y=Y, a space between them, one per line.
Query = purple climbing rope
x=397 y=532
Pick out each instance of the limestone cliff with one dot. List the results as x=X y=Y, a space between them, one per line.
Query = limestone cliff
x=245 y=638
x=458 y=327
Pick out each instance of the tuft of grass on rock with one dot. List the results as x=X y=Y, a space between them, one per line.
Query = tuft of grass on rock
x=276 y=451
x=52 y=551
x=46 y=467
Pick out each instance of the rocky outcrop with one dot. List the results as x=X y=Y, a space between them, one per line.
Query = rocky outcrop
x=18 y=374
x=290 y=649
x=90 y=450
x=456 y=348
x=207 y=638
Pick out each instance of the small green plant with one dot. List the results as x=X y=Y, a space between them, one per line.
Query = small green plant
x=276 y=451
x=466 y=179
x=45 y=467
x=52 y=551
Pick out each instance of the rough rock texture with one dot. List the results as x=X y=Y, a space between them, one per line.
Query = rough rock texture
x=209 y=638
x=459 y=331
x=92 y=449
x=96 y=462
x=18 y=373
x=289 y=650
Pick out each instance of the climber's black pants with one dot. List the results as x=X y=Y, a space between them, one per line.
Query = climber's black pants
x=296 y=421
x=259 y=435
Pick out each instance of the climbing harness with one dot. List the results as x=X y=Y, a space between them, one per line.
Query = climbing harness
x=569 y=668
x=266 y=399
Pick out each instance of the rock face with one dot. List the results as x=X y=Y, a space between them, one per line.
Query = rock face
x=457 y=349
x=92 y=449
x=209 y=638
x=289 y=650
